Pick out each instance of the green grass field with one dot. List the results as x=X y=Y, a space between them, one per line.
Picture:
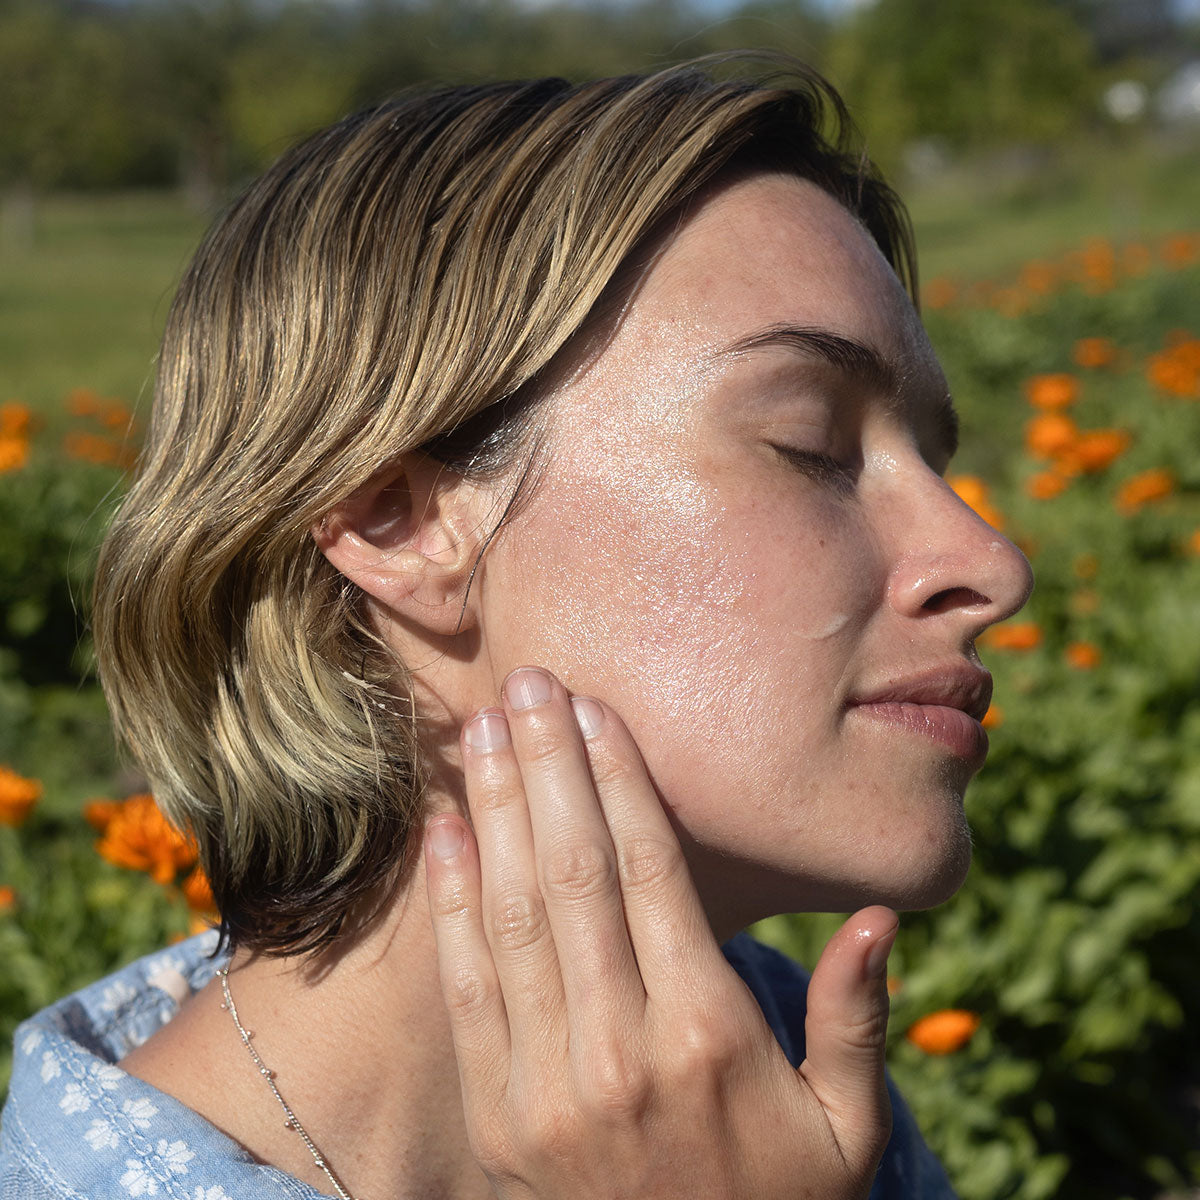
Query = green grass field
x=83 y=305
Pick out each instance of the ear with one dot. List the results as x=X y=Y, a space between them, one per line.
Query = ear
x=410 y=539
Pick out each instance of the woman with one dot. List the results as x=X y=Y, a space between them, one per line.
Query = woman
x=484 y=417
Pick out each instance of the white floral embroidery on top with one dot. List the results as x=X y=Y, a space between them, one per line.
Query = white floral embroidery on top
x=75 y=1100
x=51 y=1067
x=108 y=1076
x=116 y=995
x=176 y=1155
x=101 y=1135
x=216 y=1192
x=139 y=1111
x=31 y=1041
x=137 y=1181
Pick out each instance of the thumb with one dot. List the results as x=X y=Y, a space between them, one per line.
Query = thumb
x=846 y=1031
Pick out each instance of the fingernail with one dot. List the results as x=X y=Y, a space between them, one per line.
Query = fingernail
x=527 y=687
x=877 y=956
x=487 y=730
x=589 y=716
x=445 y=839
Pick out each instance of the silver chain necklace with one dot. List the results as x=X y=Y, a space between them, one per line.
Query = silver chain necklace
x=292 y=1122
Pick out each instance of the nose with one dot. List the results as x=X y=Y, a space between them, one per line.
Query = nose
x=952 y=563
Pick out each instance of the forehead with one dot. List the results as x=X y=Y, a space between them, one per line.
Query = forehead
x=775 y=249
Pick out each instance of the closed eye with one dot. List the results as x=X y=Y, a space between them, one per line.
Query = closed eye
x=821 y=467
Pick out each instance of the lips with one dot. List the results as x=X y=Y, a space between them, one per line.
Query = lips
x=944 y=703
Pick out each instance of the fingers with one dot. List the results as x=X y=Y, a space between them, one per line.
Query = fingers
x=667 y=924
x=467 y=973
x=846 y=1030
x=512 y=910
x=575 y=862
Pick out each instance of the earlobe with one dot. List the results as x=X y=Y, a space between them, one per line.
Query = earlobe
x=409 y=541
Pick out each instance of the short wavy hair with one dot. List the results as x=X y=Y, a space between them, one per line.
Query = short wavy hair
x=399 y=281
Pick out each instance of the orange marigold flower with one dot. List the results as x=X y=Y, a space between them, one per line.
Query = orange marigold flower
x=18 y=795
x=895 y=985
x=993 y=718
x=83 y=402
x=1181 y=250
x=8 y=899
x=197 y=891
x=944 y=1032
x=15 y=420
x=1093 y=352
x=1039 y=277
x=114 y=414
x=1083 y=656
x=1097 y=449
x=14 y=453
x=1018 y=635
x=1045 y=485
x=1173 y=374
x=1052 y=392
x=1086 y=566
x=1147 y=487
x=138 y=836
x=1050 y=434
x=940 y=292
x=973 y=492
x=1193 y=542
x=1099 y=262
x=98 y=813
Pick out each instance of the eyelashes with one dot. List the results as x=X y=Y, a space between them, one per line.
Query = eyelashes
x=820 y=467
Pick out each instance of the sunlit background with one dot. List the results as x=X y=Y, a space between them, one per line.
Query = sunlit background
x=1044 y=1022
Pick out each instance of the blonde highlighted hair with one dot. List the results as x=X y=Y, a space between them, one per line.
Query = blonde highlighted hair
x=399 y=281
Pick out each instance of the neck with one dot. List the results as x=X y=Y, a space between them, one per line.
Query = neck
x=361 y=1052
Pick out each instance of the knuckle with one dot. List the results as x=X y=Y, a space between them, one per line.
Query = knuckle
x=452 y=898
x=867 y=1033
x=518 y=921
x=494 y=799
x=704 y=1045
x=648 y=862
x=612 y=770
x=467 y=992
x=552 y=1133
x=542 y=745
x=616 y=1083
x=578 y=871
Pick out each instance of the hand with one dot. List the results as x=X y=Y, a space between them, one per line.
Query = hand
x=605 y=1047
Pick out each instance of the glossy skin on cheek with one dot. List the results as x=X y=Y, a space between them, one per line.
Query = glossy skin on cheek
x=730 y=599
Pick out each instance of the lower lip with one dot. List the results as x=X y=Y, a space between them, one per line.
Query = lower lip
x=951 y=727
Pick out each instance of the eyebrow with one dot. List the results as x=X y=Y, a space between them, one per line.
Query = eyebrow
x=879 y=373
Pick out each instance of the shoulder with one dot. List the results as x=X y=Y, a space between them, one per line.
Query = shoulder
x=909 y=1170
x=76 y=1125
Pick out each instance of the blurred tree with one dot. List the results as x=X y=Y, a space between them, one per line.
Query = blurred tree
x=969 y=74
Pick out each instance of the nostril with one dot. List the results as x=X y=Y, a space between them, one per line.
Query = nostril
x=949 y=599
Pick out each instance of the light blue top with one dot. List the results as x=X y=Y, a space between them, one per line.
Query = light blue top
x=76 y=1125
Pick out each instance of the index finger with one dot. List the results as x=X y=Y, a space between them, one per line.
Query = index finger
x=668 y=926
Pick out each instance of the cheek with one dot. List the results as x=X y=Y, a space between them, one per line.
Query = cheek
x=718 y=625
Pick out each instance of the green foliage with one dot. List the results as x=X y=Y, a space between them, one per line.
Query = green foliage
x=969 y=74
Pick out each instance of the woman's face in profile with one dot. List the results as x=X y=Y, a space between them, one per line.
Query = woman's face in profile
x=743 y=542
